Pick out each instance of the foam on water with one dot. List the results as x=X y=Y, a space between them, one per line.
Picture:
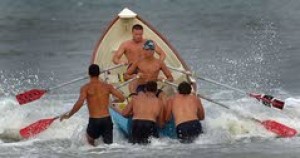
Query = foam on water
x=220 y=124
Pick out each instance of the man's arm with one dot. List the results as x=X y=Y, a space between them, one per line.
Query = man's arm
x=200 y=109
x=160 y=52
x=117 y=56
x=117 y=93
x=77 y=105
x=129 y=74
x=167 y=72
x=128 y=111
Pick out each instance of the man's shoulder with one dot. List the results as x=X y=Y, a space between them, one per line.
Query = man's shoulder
x=85 y=87
x=107 y=85
x=127 y=43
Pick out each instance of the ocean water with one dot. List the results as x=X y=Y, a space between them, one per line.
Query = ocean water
x=252 y=45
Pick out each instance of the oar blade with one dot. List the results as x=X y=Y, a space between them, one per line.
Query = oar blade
x=279 y=129
x=268 y=100
x=36 y=128
x=30 y=96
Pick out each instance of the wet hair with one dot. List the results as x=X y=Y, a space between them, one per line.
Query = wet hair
x=184 y=88
x=151 y=86
x=94 y=70
x=137 y=27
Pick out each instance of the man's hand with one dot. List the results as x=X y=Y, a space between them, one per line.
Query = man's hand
x=64 y=116
x=142 y=75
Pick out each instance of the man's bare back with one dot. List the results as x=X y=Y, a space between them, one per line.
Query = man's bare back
x=98 y=98
x=144 y=106
x=97 y=94
x=185 y=108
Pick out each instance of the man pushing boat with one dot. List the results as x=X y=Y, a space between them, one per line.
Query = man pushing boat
x=147 y=111
x=187 y=110
x=97 y=93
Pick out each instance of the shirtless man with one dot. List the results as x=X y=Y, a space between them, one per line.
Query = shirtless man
x=132 y=48
x=96 y=93
x=147 y=112
x=148 y=68
x=187 y=110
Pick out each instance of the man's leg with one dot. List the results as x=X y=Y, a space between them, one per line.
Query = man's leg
x=90 y=140
x=108 y=132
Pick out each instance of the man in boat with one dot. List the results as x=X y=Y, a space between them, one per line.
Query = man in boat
x=148 y=68
x=147 y=111
x=132 y=49
x=97 y=93
x=187 y=110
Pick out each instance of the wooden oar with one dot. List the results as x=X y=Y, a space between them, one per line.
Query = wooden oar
x=273 y=126
x=43 y=124
x=35 y=94
x=267 y=100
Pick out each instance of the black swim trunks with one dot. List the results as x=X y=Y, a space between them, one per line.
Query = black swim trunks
x=101 y=127
x=188 y=131
x=142 y=130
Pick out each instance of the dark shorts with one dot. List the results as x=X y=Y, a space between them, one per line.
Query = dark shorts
x=142 y=130
x=188 y=131
x=136 y=71
x=101 y=127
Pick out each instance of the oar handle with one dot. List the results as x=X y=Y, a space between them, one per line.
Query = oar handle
x=213 y=101
x=221 y=84
x=127 y=82
x=113 y=67
x=58 y=116
x=169 y=83
x=82 y=78
x=179 y=70
x=67 y=83
x=206 y=79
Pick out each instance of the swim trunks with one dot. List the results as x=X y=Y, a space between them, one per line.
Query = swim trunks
x=101 y=127
x=142 y=130
x=188 y=131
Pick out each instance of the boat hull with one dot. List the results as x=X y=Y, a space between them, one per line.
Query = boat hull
x=119 y=31
x=125 y=125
